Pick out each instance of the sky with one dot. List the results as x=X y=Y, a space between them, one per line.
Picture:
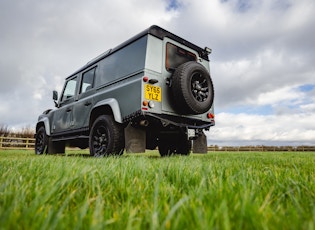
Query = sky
x=262 y=62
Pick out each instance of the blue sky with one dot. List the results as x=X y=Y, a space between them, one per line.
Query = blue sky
x=262 y=63
x=307 y=87
x=173 y=5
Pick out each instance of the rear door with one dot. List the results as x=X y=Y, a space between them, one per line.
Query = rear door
x=175 y=54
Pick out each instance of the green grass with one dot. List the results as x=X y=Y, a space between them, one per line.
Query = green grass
x=222 y=190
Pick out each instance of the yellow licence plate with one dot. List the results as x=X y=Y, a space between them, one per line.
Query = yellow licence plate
x=152 y=92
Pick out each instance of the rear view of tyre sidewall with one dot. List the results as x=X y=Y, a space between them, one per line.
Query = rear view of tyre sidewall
x=41 y=141
x=106 y=137
x=174 y=144
x=192 y=89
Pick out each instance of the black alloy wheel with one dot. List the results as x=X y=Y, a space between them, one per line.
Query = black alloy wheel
x=199 y=87
x=106 y=137
x=41 y=141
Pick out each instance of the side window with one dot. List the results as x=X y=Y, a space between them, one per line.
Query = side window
x=87 y=80
x=123 y=62
x=175 y=56
x=70 y=88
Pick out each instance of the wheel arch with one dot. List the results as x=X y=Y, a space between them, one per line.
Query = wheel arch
x=106 y=107
x=44 y=122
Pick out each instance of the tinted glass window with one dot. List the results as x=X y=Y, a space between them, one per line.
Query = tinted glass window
x=123 y=62
x=70 y=88
x=87 y=80
x=175 y=56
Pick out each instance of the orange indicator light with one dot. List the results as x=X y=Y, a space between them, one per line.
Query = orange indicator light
x=145 y=103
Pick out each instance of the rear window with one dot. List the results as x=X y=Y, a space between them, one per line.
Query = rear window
x=175 y=56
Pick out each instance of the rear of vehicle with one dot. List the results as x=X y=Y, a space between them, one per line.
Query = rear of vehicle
x=177 y=94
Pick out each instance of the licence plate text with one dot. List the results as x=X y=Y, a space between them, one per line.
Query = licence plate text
x=152 y=92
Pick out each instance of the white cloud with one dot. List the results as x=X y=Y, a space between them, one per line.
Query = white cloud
x=308 y=108
x=266 y=78
x=258 y=129
x=278 y=95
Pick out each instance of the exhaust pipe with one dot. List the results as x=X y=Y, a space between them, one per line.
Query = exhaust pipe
x=144 y=123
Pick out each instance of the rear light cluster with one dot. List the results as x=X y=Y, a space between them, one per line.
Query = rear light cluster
x=210 y=115
x=146 y=103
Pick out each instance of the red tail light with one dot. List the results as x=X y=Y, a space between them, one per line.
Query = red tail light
x=210 y=115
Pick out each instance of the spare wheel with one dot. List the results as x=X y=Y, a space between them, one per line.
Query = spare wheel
x=192 y=88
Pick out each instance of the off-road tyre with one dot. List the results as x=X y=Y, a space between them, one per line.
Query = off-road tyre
x=184 y=148
x=106 y=137
x=174 y=145
x=192 y=88
x=41 y=141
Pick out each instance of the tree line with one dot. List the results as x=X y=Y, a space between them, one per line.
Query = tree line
x=25 y=132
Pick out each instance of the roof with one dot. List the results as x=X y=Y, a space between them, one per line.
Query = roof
x=161 y=33
x=155 y=31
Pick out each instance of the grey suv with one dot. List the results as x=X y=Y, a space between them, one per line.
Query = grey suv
x=154 y=90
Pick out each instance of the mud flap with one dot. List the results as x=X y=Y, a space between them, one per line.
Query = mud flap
x=135 y=140
x=55 y=147
x=200 y=144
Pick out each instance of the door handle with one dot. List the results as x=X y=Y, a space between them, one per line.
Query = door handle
x=68 y=110
x=87 y=103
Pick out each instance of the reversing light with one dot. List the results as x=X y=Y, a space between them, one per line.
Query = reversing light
x=210 y=115
x=151 y=104
x=145 y=79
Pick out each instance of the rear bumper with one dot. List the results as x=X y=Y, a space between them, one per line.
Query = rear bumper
x=182 y=122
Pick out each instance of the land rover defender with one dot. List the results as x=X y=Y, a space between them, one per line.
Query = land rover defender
x=152 y=91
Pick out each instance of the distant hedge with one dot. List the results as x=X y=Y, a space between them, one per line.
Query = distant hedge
x=262 y=148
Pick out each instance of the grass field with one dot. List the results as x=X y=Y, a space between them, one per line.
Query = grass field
x=219 y=190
